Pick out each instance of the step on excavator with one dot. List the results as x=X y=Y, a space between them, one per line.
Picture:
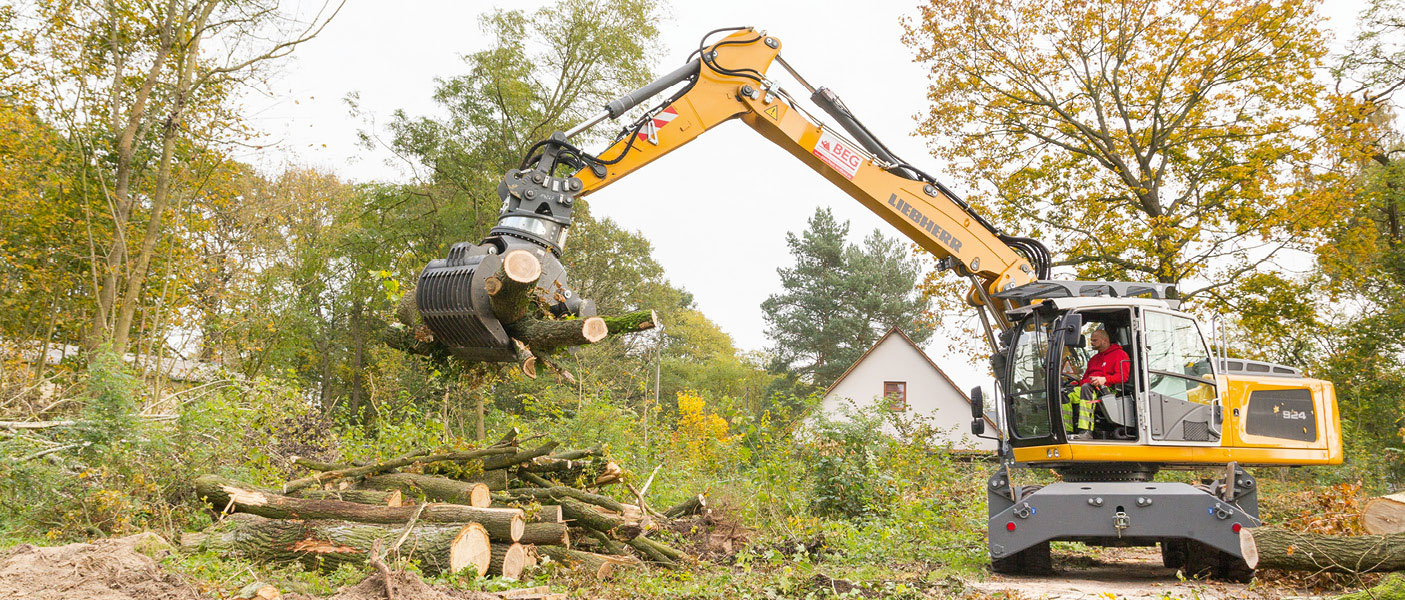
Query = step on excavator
x=1177 y=405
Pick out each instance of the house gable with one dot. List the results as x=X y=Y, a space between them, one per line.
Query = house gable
x=929 y=391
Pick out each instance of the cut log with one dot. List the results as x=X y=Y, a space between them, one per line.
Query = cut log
x=508 y=560
x=611 y=473
x=1274 y=548
x=587 y=515
x=328 y=544
x=379 y=497
x=561 y=491
x=259 y=590
x=504 y=524
x=651 y=546
x=431 y=488
x=496 y=480
x=541 y=334
x=638 y=320
x=1385 y=515
x=689 y=507
x=545 y=534
x=598 y=565
x=510 y=288
x=412 y=458
x=577 y=454
x=531 y=593
x=505 y=461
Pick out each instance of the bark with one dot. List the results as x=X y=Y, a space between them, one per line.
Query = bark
x=1273 y=548
x=587 y=515
x=561 y=491
x=507 y=560
x=510 y=288
x=328 y=544
x=496 y=480
x=542 y=334
x=375 y=497
x=420 y=457
x=545 y=534
x=657 y=552
x=431 y=488
x=598 y=565
x=501 y=523
x=1385 y=515
x=639 y=320
x=691 y=506
x=503 y=462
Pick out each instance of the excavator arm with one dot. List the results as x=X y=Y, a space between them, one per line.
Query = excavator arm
x=725 y=80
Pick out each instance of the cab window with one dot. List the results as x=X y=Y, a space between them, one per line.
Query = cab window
x=1028 y=390
x=1178 y=363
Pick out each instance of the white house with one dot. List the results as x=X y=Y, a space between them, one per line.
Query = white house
x=898 y=374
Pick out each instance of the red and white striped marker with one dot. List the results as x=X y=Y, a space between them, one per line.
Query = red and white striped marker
x=650 y=131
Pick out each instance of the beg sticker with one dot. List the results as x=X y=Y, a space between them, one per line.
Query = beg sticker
x=835 y=153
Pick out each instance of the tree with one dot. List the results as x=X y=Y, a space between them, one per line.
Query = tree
x=1146 y=140
x=137 y=86
x=839 y=298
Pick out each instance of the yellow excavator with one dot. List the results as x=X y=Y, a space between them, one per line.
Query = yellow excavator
x=1181 y=405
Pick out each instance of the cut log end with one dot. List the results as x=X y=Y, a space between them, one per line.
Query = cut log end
x=509 y=560
x=521 y=266
x=594 y=329
x=1248 y=548
x=480 y=496
x=471 y=549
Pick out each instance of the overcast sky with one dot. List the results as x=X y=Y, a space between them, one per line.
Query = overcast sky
x=716 y=210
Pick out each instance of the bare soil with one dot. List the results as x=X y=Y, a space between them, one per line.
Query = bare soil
x=1130 y=573
x=112 y=569
x=127 y=569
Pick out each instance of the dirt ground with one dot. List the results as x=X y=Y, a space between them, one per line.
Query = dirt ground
x=1131 y=573
x=127 y=569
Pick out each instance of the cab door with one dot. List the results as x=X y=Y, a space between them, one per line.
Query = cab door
x=1029 y=413
x=1182 y=395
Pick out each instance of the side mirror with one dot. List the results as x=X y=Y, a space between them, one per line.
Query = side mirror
x=1070 y=327
x=978 y=427
x=977 y=403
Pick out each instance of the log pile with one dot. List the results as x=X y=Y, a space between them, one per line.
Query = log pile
x=499 y=510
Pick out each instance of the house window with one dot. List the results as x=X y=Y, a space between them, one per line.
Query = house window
x=896 y=394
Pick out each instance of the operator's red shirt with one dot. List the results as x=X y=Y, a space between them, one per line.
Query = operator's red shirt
x=1112 y=363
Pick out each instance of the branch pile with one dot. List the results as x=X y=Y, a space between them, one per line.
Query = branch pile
x=518 y=303
x=495 y=510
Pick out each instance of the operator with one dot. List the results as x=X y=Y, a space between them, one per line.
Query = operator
x=1110 y=366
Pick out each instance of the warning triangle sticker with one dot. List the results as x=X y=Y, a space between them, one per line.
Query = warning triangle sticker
x=774 y=112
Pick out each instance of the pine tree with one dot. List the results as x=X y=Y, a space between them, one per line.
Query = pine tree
x=838 y=298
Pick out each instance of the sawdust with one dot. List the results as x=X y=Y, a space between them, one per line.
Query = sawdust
x=112 y=569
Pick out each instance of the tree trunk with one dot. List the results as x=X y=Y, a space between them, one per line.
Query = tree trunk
x=431 y=488
x=328 y=544
x=561 y=491
x=543 y=335
x=508 y=560
x=545 y=534
x=504 y=524
x=496 y=480
x=420 y=457
x=691 y=506
x=503 y=462
x=598 y=565
x=1273 y=548
x=377 y=497
x=510 y=288
x=638 y=320
x=1385 y=515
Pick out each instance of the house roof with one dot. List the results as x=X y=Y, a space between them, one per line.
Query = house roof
x=920 y=352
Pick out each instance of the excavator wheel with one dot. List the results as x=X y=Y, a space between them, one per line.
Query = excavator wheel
x=1173 y=553
x=1204 y=561
x=1034 y=560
